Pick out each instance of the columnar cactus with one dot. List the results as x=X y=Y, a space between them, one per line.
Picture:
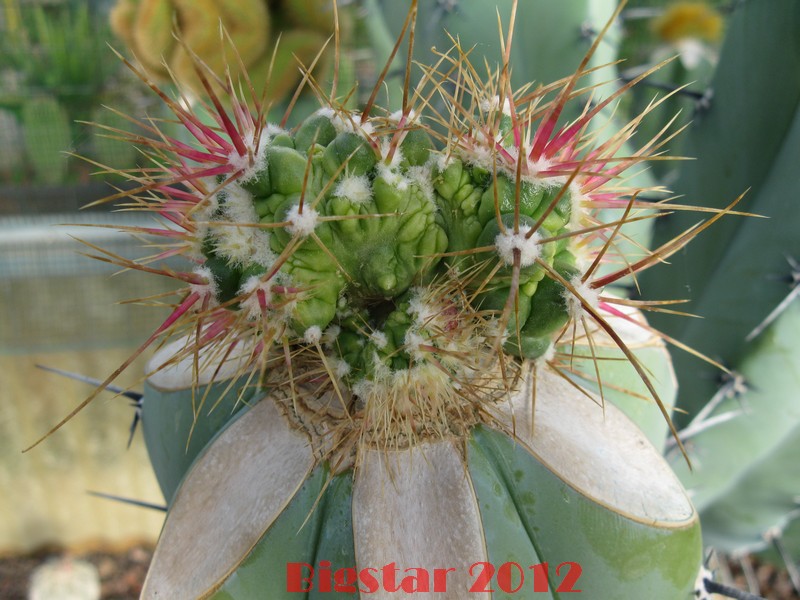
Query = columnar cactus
x=743 y=443
x=389 y=356
x=47 y=137
x=149 y=27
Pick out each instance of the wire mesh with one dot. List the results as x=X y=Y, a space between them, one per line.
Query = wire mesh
x=54 y=298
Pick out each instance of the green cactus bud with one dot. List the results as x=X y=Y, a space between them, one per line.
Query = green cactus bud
x=460 y=198
x=316 y=129
x=351 y=150
x=505 y=191
x=416 y=147
x=287 y=169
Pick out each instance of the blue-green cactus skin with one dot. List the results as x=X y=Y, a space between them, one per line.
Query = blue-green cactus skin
x=736 y=276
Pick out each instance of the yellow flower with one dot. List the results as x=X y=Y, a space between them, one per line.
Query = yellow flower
x=684 y=20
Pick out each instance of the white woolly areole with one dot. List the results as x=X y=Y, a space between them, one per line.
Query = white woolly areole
x=238 y=162
x=417 y=306
x=331 y=335
x=234 y=243
x=312 y=335
x=254 y=160
x=379 y=339
x=412 y=342
x=241 y=244
x=361 y=389
x=342 y=367
x=528 y=248
x=397 y=157
x=492 y=104
x=574 y=305
x=412 y=116
x=325 y=111
x=208 y=204
x=442 y=161
x=259 y=166
x=355 y=188
x=201 y=214
x=262 y=254
x=537 y=166
x=251 y=304
x=392 y=177
x=238 y=203
x=577 y=209
x=272 y=130
x=207 y=289
x=347 y=122
x=302 y=223
x=422 y=177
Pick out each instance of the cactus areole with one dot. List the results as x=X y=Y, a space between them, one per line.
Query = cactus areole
x=375 y=380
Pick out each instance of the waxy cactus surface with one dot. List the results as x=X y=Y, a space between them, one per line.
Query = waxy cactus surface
x=745 y=423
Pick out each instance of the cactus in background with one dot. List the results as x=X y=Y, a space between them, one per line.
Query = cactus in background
x=254 y=26
x=395 y=324
x=552 y=38
x=11 y=160
x=47 y=137
x=692 y=31
x=114 y=153
x=744 y=443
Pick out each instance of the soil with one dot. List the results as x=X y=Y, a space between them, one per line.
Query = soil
x=122 y=574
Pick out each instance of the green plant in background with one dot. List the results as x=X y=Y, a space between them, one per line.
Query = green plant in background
x=56 y=56
x=47 y=136
x=743 y=280
x=397 y=323
x=58 y=49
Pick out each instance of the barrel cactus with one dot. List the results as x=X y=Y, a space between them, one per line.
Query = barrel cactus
x=394 y=364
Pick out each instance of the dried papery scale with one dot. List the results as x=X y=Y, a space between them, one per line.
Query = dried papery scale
x=386 y=326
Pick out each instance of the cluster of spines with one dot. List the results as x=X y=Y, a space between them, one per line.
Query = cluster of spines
x=521 y=145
